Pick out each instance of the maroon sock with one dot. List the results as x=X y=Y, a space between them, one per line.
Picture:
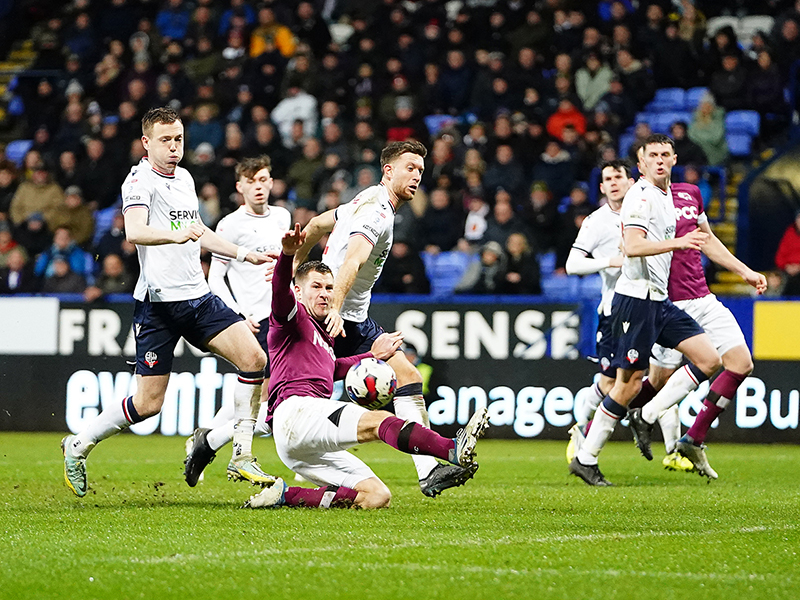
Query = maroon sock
x=322 y=497
x=413 y=438
x=645 y=395
x=703 y=421
x=727 y=383
x=587 y=428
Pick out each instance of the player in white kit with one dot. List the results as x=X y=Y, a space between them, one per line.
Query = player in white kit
x=688 y=289
x=597 y=250
x=173 y=300
x=245 y=289
x=361 y=237
x=641 y=312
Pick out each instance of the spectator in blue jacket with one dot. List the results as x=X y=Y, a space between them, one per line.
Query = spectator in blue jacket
x=64 y=248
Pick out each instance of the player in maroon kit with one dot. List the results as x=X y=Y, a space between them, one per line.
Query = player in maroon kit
x=687 y=288
x=312 y=433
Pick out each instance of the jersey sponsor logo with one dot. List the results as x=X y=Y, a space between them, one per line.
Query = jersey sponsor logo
x=625 y=325
x=322 y=343
x=686 y=212
x=382 y=258
x=179 y=219
x=372 y=230
x=633 y=355
x=150 y=358
x=176 y=215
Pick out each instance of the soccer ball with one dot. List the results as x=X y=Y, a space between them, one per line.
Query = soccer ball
x=370 y=383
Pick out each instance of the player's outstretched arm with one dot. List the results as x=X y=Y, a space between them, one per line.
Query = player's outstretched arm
x=213 y=242
x=284 y=304
x=716 y=251
x=316 y=228
x=358 y=250
x=580 y=264
x=636 y=243
x=137 y=231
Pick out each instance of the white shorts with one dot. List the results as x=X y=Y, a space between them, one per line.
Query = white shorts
x=715 y=319
x=312 y=436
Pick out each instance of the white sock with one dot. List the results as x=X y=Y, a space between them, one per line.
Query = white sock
x=223 y=433
x=603 y=426
x=591 y=400
x=224 y=415
x=219 y=436
x=670 y=423
x=246 y=402
x=109 y=422
x=678 y=385
x=412 y=408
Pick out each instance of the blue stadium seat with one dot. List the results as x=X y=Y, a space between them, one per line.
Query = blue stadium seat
x=446 y=270
x=547 y=262
x=16 y=107
x=668 y=99
x=435 y=122
x=739 y=144
x=625 y=141
x=561 y=287
x=693 y=96
x=646 y=117
x=743 y=121
x=591 y=286
x=16 y=151
x=665 y=120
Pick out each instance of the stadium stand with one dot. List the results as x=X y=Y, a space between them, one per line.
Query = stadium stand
x=382 y=71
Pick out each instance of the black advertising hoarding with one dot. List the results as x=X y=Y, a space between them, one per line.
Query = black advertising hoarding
x=519 y=360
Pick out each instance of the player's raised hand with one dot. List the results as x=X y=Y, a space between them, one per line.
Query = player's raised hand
x=191 y=233
x=293 y=240
x=693 y=240
x=757 y=280
x=386 y=345
x=334 y=324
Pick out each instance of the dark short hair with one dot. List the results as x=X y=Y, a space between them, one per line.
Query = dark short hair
x=618 y=164
x=163 y=115
x=395 y=149
x=658 y=138
x=309 y=266
x=248 y=167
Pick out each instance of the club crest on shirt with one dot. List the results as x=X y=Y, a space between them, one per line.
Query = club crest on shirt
x=150 y=358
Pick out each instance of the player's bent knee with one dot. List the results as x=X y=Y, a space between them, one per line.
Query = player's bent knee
x=373 y=493
x=369 y=423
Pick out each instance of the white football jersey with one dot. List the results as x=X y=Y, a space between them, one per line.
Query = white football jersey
x=649 y=208
x=169 y=272
x=601 y=235
x=259 y=233
x=370 y=215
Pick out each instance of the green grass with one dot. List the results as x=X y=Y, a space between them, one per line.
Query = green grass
x=521 y=529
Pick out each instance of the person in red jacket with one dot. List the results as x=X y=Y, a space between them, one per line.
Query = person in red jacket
x=787 y=258
x=567 y=114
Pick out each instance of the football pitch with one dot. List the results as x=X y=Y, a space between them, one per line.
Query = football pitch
x=522 y=528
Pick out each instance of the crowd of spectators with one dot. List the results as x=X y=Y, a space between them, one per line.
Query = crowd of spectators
x=531 y=96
